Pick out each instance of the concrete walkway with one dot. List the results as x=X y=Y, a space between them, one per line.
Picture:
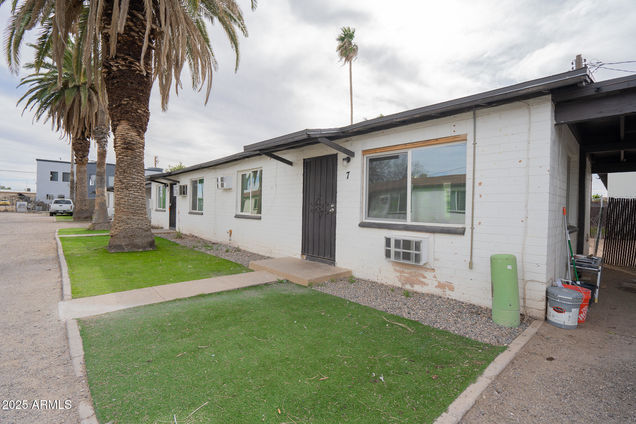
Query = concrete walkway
x=300 y=271
x=96 y=305
x=35 y=362
x=587 y=375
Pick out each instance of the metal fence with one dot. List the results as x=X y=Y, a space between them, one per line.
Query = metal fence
x=620 y=233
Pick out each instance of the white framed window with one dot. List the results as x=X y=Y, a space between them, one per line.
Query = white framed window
x=425 y=184
x=92 y=179
x=251 y=192
x=161 y=197
x=53 y=176
x=196 y=195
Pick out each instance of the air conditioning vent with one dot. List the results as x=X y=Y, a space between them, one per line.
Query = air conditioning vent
x=183 y=189
x=406 y=250
x=224 y=183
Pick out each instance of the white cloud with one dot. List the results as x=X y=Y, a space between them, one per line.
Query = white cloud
x=411 y=54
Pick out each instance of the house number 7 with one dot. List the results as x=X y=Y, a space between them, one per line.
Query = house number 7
x=347 y=174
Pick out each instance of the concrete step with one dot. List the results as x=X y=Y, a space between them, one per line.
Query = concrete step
x=300 y=271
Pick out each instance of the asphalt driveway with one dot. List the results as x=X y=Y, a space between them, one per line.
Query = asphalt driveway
x=36 y=374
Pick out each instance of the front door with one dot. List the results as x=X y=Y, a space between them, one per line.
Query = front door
x=319 y=208
x=173 y=207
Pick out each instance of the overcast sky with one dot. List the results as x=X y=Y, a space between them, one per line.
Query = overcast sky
x=411 y=54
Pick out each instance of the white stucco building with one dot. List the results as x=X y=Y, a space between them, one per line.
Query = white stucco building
x=419 y=199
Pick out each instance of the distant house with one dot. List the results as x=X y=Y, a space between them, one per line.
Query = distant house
x=9 y=198
x=421 y=199
x=53 y=181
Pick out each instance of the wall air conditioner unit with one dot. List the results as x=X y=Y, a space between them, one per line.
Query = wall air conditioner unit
x=183 y=189
x=407 y=250
x=224 y=183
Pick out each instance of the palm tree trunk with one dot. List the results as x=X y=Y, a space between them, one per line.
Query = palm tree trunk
x=351 y=91
x=71 y=180
x=100 y=134
x=128 y=88
x=81 y=146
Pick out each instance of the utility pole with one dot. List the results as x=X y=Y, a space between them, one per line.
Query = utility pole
x=156 y=160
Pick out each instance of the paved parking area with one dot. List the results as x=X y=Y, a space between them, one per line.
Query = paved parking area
x=35 y=364
x=587 y=375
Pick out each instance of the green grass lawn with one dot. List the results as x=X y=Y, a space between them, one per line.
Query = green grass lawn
x=73 y=231
x=93 y=270
x=63 y=218
x=276 y=353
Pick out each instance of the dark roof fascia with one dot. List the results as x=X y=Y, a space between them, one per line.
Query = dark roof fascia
x=68 y=163
x=600 y=88
x=210 y=164
x=524 y=90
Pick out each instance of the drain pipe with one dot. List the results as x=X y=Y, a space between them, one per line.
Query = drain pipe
x=472 y=196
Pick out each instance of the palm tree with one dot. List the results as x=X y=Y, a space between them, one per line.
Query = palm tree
x=100 y=135
x=70 y=105
x=348 y=51
x=138 y=42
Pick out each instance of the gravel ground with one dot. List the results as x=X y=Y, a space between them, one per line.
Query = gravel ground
x=35 y=362
x=435 y=311
x=221 y=250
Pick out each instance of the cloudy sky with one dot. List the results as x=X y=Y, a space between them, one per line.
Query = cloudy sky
x=411 y=54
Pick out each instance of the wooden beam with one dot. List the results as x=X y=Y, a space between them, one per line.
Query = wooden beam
x=278 y=158
x=431 y=142
x=336 y=146
x=594 y=108
x=580 y=222
x=605 y=167
x=609 y=147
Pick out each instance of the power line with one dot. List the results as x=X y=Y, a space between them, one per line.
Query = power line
x=15 y=170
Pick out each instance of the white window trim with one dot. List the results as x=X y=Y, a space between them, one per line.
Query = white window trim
x=195 y=193
x=239 y=185
x=157 y=207
x=407 y=221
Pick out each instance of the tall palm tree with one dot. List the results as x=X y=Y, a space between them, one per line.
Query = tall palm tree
x=139 y=41
x=348 y=51
x=100 y=135
x=70 y=105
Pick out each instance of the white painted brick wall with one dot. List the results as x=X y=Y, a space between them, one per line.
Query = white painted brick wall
x=516 y=173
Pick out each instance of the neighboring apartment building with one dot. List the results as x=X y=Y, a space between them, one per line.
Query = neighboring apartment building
x=53 y=179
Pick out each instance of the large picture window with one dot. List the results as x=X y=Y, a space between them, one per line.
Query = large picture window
x=420 y=185
x=196 y=195
x=251 y=194
x=161 y=197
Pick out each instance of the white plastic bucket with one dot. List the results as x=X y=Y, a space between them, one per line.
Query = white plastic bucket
x=563 y=307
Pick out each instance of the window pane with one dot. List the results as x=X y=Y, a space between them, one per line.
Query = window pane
x=251 y=192
x=438 y=184
x=66 y=177
x=245 y=193
x=194 y=204
x=387 y=187
x=53 y=176
x=200 y=195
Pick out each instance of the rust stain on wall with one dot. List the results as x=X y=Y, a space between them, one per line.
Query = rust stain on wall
x=445 y=285
x=414 y=275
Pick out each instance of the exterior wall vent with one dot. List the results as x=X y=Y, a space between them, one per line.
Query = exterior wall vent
x=224 y=183
x=407 y=250
x=183 y=189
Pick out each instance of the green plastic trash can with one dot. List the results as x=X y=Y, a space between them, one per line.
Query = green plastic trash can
x=505 y=290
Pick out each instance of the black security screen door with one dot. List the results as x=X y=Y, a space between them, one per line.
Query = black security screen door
x=319 y=208
x=173 y=206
